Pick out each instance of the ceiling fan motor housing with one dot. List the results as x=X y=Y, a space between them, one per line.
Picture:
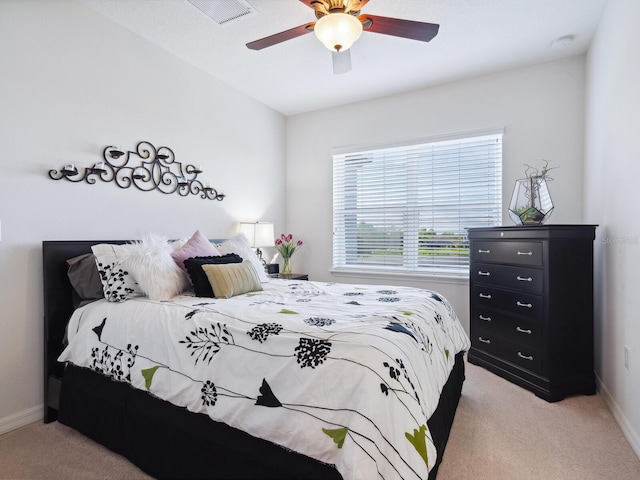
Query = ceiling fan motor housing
x=326 y=7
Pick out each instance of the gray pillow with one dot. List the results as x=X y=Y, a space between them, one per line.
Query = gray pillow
x=85 y=279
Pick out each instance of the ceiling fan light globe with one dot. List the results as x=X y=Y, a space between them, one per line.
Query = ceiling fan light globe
x=338 y=31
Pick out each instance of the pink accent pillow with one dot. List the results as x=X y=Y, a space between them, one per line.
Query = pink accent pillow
x=197 y=246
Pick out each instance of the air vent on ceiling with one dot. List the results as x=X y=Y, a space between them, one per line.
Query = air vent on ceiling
x=223 y=11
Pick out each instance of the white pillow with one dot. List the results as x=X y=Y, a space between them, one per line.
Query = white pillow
x=118 y=283
x=152 y=266
x=239 y=244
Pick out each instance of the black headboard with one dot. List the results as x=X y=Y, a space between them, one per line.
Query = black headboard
x=58 y=307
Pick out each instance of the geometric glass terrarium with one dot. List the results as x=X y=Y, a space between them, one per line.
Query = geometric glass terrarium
x=531 y=202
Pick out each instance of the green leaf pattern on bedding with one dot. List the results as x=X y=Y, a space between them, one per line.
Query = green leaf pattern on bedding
x=418 y=440
x=337 y=435
x=148 y=373
x=286 y=311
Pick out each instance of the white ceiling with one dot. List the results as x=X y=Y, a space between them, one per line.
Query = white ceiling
x=475 y=37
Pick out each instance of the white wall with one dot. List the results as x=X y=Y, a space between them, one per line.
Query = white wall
x=611 y=196
x=541 y=109
x=71 y=83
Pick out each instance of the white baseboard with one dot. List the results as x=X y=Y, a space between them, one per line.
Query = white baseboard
x=632 y=436
x=21 y=419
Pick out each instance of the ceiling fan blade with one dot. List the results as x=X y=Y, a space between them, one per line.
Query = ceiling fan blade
x=309 y=2
x=399 y=28
x=358 y=4
x=341 y=62
x=281 y=37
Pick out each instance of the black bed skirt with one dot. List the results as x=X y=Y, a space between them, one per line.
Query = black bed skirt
x=168 y=441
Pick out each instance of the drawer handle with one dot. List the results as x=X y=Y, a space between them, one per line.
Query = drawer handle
x=484 y=274
x=520 y=304
x=525 y=253
x=524 y=279
x=526 y=357
x=485 y=340
x=522 y=330
x=486 y=319
x=482 y=295
x=484 y=251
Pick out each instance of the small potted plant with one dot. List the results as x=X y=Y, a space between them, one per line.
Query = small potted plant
x=531 y=201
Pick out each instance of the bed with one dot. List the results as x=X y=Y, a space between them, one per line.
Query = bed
x=311 y=400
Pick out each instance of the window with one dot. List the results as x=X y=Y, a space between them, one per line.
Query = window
x=406 y=208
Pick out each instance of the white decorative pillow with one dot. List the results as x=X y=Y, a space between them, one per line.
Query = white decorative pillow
x=239 y=244
x=152 y=265
x=118 y=283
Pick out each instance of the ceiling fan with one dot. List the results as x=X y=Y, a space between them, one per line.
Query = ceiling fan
x=339 y=24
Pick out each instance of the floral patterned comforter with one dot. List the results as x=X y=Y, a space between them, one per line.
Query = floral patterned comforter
x=346 y=374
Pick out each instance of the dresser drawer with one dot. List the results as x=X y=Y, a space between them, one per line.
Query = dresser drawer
x=518 y=329
x=518 y=303
x=524 y=279
x=521 y=355
x=516 y=253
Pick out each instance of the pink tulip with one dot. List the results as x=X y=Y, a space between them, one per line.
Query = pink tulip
x=286 y=246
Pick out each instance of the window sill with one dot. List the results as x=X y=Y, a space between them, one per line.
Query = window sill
x=387 y=275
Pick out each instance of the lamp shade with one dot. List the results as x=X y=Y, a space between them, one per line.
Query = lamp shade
x=260 y=234
x=338 y=31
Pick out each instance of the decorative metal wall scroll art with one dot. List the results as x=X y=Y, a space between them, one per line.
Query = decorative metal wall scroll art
x=156 y=170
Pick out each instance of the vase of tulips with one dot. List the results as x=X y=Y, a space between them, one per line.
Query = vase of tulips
x=286 y=246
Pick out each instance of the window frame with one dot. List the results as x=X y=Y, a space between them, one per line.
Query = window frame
x=340 y=264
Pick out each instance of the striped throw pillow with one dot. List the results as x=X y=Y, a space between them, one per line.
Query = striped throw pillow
x=231 y=279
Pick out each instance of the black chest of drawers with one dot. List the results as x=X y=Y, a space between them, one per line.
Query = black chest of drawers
x=531 y=300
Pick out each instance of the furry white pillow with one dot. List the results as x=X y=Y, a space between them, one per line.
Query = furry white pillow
x=153 y=267
x=239 y=244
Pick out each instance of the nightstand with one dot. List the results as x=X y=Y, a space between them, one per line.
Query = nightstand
x=290 y=276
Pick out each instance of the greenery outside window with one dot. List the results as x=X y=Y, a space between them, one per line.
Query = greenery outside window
x=406 y=208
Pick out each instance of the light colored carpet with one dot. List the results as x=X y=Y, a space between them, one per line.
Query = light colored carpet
x=501 y=432
x=57 y=452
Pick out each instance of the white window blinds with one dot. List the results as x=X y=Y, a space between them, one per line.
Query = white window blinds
x=406 y=208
